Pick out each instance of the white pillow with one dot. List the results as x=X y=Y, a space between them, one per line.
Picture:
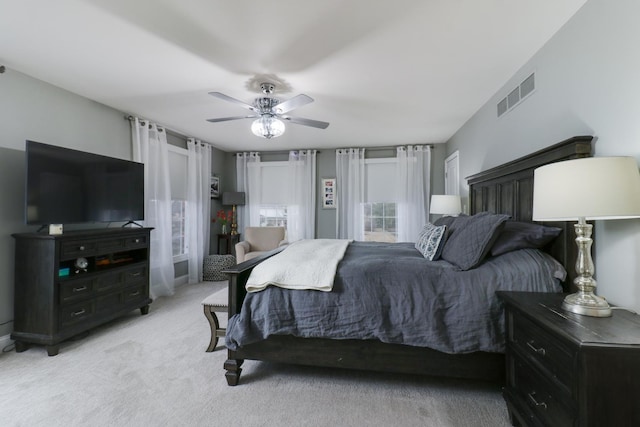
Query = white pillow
x=430 y=241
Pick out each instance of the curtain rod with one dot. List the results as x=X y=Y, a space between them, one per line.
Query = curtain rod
x=169 y=131
x=277 y=152
x=392 y=147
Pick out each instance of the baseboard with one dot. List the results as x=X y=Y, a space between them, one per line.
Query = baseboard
x=5 y=341
x=181 y=280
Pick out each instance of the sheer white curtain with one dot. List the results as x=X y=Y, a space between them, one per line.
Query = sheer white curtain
x=413 y=181
x=150 y=147
x=350 y=193
x=301 y=209
x=198 y=206
x=248 y=181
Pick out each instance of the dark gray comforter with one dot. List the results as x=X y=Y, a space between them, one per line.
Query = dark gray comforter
x=389 y=292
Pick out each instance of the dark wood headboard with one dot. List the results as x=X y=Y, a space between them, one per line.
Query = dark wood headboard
x=508 y=189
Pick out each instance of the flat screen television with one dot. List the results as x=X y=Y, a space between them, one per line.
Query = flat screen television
x=66 y=186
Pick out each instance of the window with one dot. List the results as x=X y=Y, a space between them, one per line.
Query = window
x=179 y=227
x=273 y=200
x=179 y=221
x=379 y=209
x=380 y=222
x=273 y=216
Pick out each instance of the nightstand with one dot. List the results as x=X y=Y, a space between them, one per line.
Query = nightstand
x=227 y=243
x=564 y=369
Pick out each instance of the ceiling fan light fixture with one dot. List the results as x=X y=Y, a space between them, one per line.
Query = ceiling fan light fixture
x=267 y=127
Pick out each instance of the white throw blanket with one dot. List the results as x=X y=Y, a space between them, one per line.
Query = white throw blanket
x=305 y=264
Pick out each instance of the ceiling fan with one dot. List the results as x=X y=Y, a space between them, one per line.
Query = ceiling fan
x=269 y=112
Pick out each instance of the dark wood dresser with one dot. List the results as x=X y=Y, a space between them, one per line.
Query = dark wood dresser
x=55 y=299
x=564 y=369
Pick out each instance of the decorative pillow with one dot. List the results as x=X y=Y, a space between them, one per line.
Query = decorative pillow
x=523 y=235
x=430 y=241
x=471 y=238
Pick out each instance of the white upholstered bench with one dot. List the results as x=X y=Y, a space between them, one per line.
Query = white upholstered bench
x=215 y=303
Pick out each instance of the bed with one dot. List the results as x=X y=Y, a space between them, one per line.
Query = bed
x=506 y=189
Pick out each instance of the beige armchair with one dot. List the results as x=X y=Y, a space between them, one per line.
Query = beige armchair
x=258 y=240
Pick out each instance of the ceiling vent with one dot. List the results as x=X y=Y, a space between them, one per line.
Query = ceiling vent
x=517 y=95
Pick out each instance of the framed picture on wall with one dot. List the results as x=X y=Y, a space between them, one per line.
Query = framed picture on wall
x=215 y=187
x=329 y=193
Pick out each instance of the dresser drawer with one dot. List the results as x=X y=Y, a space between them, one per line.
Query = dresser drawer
x=550 y=354
x=110 y=281
x=74 y=290
x=543 y=399
x=135 y=293
x=77 y=248
x=75 y=313
x=111 y=245
x=138 y=241
x=135 y=274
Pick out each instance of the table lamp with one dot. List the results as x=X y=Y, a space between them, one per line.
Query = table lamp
x=595 y=188
x=445 y=204
x=233 y=198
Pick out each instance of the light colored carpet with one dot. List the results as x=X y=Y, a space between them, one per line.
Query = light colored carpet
x=153 y=371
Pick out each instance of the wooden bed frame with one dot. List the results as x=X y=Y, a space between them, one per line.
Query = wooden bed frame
x=504 y=189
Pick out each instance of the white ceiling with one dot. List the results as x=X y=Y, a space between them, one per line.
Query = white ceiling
x=381 y=72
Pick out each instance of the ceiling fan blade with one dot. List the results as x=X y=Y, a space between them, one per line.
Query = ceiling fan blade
x=235 y=101
x=290 y=104
x=306 y=122
x=224 y=119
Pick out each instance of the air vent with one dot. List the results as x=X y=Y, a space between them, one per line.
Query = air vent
x=527 y=86
x=502 y=107
x=514 y=97
x=517 y=95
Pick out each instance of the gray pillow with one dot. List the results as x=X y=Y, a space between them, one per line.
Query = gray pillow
x=430 y=241
x=471 y=238
x=523 y=235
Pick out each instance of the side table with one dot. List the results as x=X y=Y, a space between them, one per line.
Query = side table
x=227 y=243
x=564 y=369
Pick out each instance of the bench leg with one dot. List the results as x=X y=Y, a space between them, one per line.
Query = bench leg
x=214 y=325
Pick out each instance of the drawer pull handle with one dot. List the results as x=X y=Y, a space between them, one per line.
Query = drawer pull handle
x=540 y=350
x=80 y=289
x=78 y=313
x=81 y=248
x=136 y=274
x=136 y=241
x=532 y=397
x=134 y=294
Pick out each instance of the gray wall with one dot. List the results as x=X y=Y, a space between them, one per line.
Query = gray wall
x=587 y=84
x=32 y=109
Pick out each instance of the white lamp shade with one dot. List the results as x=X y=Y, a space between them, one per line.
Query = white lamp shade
x=593 y=188
x=445 y=204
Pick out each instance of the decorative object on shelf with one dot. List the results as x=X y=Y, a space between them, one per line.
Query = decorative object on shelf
x=233 y=199
x=81 y=265
x=223 y=218
x=269 y=112
x=445 y=204
x=587 y=189
x=215 y=187
x=329 y=193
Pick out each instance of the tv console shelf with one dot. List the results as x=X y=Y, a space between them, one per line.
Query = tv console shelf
x=67 y=284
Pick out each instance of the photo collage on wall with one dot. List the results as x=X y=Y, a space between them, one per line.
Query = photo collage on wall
x=329 y=193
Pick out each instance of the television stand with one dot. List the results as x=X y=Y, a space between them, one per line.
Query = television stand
x=67 y=284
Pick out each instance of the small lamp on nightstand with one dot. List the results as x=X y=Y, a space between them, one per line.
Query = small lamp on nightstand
x=445 y=204
x=592 y=188
x=233 y=198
